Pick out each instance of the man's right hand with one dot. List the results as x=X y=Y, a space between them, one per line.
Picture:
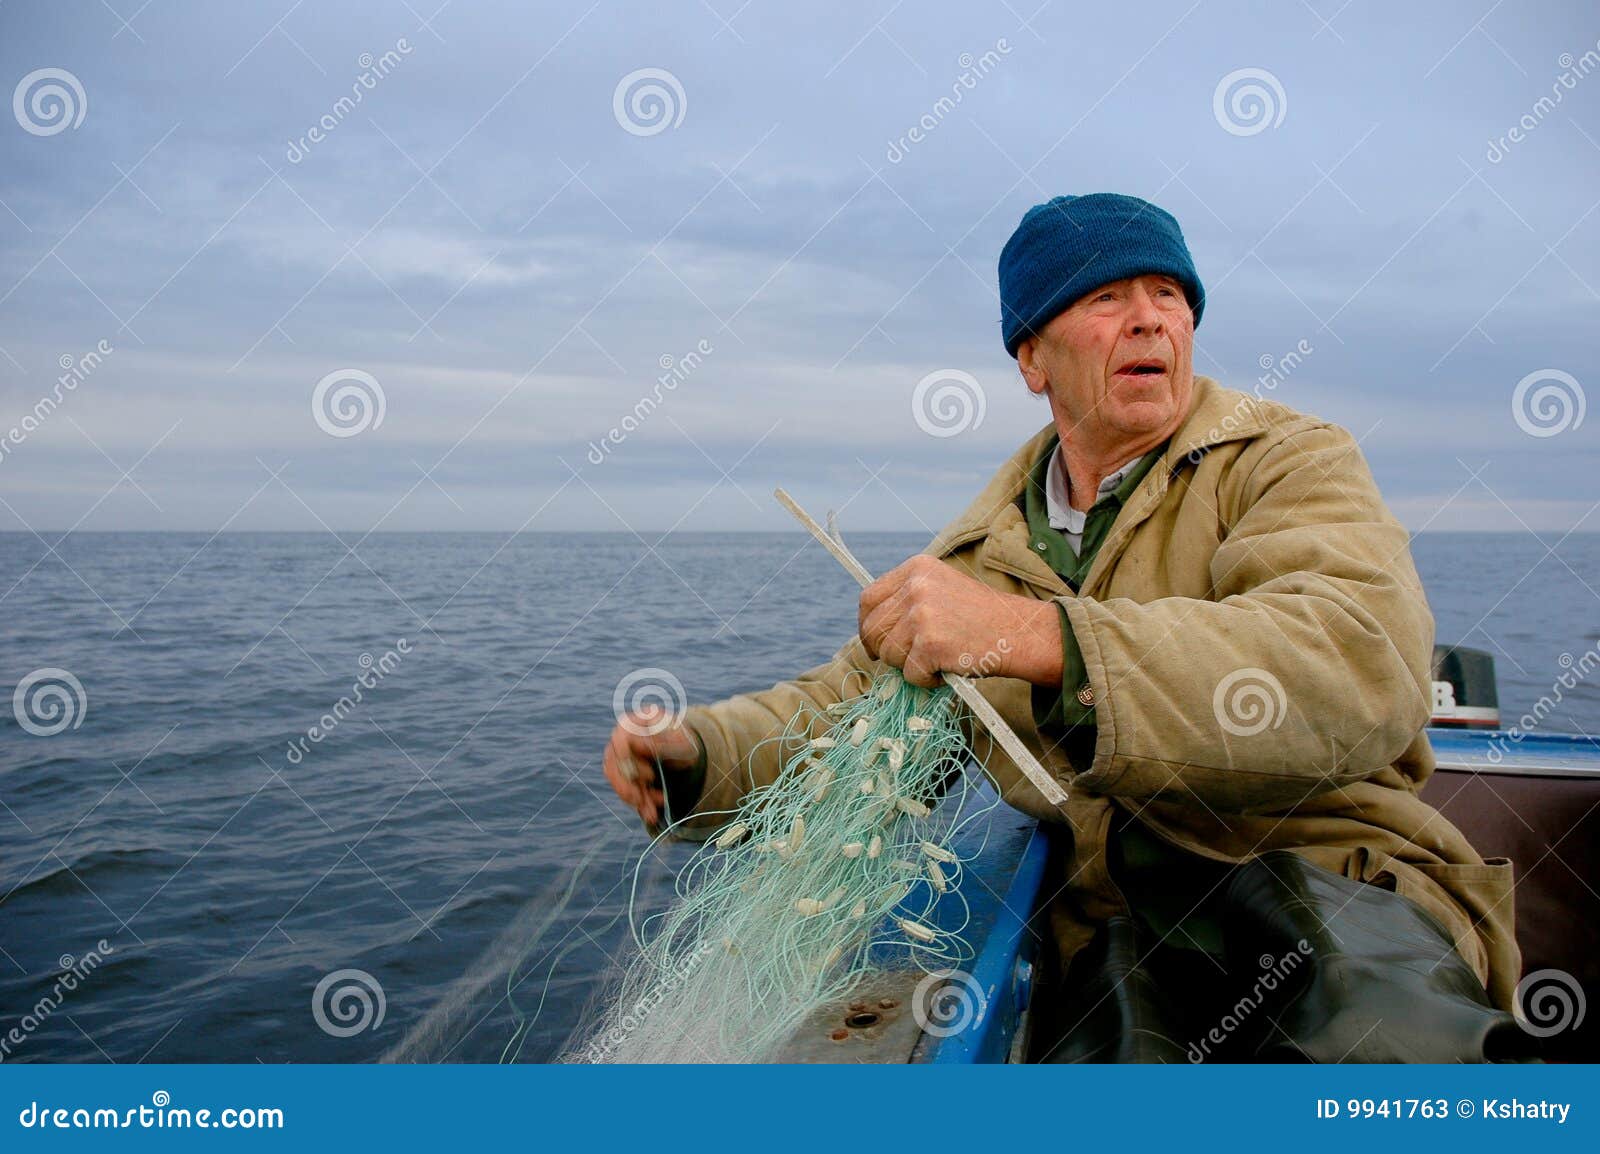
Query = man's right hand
x=637 y=742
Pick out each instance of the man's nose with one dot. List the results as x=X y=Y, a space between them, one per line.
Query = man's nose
x=1143 y=316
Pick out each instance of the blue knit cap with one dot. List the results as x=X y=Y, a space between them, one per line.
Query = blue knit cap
x=1070 y=246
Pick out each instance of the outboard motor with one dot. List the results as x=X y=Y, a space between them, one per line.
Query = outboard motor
x=1464 y=695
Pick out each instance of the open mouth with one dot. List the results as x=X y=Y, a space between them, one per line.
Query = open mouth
x=1142 y=368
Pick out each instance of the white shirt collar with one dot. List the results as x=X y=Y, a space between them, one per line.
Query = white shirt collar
x=1056 y=492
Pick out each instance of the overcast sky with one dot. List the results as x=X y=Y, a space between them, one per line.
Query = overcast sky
x=510 y=248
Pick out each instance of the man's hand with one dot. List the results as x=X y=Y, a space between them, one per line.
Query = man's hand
x=630 y=758
x=928 y=618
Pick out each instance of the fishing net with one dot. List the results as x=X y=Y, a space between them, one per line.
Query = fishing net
x=817 y=880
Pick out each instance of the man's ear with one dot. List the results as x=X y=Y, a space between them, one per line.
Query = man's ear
x=1033 y=374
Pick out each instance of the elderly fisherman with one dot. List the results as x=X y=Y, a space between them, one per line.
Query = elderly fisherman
x=1203 y=620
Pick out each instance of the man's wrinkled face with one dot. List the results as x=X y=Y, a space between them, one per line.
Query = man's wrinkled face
x=1117 y=364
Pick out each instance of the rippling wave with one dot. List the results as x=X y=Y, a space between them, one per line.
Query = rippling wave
x=228 y=877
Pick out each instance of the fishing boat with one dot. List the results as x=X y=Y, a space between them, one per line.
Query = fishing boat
x=1515 y=792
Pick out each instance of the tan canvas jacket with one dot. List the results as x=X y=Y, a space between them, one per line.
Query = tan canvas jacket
x=1258 y=544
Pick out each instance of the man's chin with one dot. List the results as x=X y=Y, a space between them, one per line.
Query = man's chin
x=1143 y=405
x=1138 y=417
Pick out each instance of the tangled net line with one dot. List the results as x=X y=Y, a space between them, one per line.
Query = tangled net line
x=829 y=874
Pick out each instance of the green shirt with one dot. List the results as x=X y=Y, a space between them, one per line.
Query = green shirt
x=1169 y=890
x=1072 y=705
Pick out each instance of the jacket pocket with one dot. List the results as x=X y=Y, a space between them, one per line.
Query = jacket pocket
x=1464 y=898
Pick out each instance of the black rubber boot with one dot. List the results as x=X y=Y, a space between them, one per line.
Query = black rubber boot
x=1117 y=1008
x=1357 y=973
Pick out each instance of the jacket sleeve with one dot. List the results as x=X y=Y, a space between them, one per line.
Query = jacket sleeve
x=1307 y=668
x=1059 y=707
x=739 y=735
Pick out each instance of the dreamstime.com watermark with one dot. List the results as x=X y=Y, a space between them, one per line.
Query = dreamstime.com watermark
x=1573 y=69
x=373 y=671
x=348 y=1002
x=161 y=1114
x=1548 y=1002
x=1577 y=671
x=986 y=664
x=1548 y=402
x=947 y=1002
x=348 y=402
x=973 y=69
x=1275 y=371
x=372 y=70
x=1249 y=701
x=602 y=1048
x=74 y=971
x=76 y=370
x=49 y=100
x=674 y=371
x=49 y=701
x=1248 y=101
x=649 y=693
x=649 y=101
x=1277 y=970
x=948 y=402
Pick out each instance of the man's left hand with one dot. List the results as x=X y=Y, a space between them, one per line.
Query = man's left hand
x=928 y=618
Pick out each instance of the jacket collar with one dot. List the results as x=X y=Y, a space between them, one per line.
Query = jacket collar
x=1216 y=416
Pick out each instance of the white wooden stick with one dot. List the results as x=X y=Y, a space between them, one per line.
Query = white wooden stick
x=963 y=687
x=837 y=548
